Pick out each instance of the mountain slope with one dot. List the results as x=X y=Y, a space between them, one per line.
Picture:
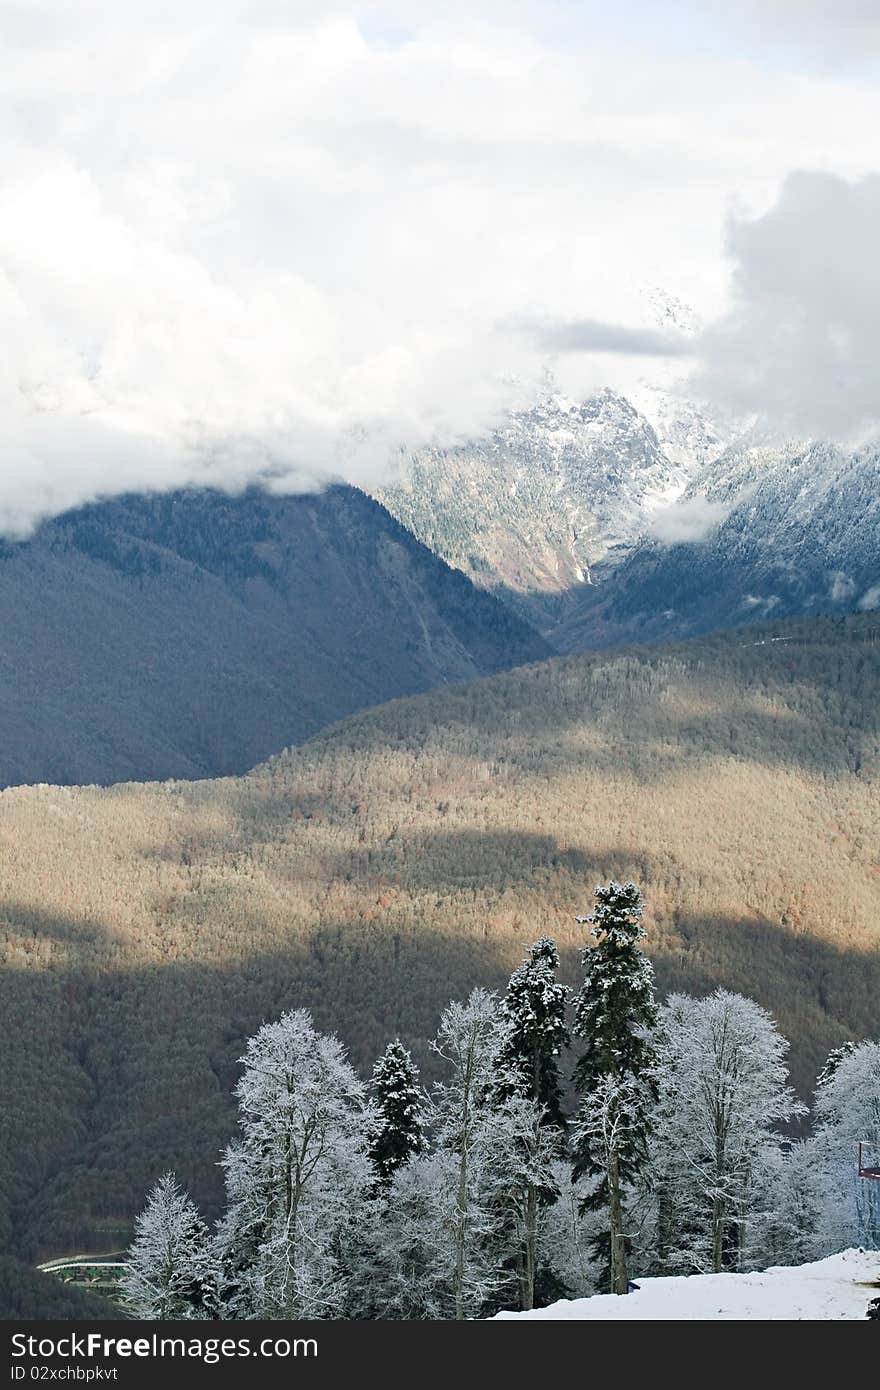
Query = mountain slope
x=800 y=533
x=557 y=490
x=192 y=634
x=407 y=854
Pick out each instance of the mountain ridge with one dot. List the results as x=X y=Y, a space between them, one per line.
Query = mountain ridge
x=195 y=633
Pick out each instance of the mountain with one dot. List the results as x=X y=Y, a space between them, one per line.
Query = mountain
x=788 y=531
x=617 y=520
x=192 y=634
x=531 y=510
x=403 y=856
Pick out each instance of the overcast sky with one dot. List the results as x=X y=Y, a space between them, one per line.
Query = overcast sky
x=278 y=239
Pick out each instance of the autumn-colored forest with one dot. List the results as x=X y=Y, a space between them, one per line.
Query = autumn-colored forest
x=409 y=853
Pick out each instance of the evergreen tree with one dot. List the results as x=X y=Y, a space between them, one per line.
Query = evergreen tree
x=397 y=1131
x=615 y=1014
x=167 y=1273
x=534 y=1033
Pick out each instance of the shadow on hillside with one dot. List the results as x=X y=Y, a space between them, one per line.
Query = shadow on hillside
x=497 y=859
x=32 y=924
x=826 y=691
x=112 y=1076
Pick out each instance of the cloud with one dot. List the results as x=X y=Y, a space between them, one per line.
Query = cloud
x=283 y=241
x=841 y=588
x=690 y=520
x=832 y=29
x=799 y=343
x=870 y=600
x=590 y=335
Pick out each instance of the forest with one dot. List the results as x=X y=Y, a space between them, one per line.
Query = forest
x=407 y=855
x=487 y=1193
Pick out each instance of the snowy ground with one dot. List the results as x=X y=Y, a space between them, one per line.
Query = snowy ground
x=839 y=1287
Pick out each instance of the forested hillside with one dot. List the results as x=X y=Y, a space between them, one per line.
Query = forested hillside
x=408 y=854
x=191 y=634
x=796 y=530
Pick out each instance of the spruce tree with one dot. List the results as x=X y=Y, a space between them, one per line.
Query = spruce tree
x=167 y=1275
x=397 y=1132
x=615 y=1014
x=534 y=1033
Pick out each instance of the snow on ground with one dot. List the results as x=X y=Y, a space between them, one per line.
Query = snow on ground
x=840 y=1287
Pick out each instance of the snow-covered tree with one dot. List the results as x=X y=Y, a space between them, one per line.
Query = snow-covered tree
x=724 y=1092
x=167 y=1274
x=615 y=1015
x=455 y=1216
x=397 y=1131
x=534 y=1033
x=567 y=1239
x=847 y=1110
x=298 y=1180
x=534 y=1028
x=788 y=1201
x=468 y=1039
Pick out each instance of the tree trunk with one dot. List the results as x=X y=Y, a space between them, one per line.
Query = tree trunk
x=665 y=1219
x=619 y=1277
x=528 y=1256
x=718 y=1235
x=461 y=1218
x=462 y=1197
x=527 y=1287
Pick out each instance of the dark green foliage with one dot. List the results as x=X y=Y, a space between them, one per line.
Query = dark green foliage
x=535 y=1030
x=27 y=1294
x=398 y=1130
x=615 y=1009
x=615 y=1015
x=833 y=1061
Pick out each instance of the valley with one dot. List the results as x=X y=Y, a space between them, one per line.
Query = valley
x=407 y=853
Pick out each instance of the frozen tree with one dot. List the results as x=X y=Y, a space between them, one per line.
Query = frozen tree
x=534 y=1028
x=521 y=1151
x=298 y=1179
x=567 y=1237
x=615 y=1014
x=468 y=1040
x=724 y=1091
x=167 y=1274
x=455 y=1215
x=788 y=1202
x=847 y=1111
x=534 y=1034
x=437 y=1247
x=397 y=1131
x=413 y=1247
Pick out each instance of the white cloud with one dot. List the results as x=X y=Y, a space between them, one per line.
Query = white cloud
x=799 y=343
x=841 y=588
x=833 y=29
x=870 y=600
x=692 y=519
x=278 y=240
